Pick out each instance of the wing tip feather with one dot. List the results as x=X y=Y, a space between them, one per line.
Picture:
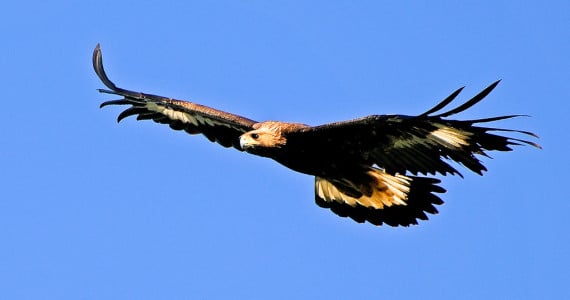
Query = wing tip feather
x=100 y=71
x=443 y=103
x=469 y=103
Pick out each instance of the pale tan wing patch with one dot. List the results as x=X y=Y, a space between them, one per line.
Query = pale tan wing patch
x=448 y=137
x=190 y=114
x=383 y=190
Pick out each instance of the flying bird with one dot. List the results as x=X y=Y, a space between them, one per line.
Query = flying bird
x=379 y=168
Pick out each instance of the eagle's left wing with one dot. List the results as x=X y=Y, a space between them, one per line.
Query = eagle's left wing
x=218 y=126
x=416 y=144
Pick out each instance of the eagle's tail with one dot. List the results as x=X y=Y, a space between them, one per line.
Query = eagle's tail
x=396 y=200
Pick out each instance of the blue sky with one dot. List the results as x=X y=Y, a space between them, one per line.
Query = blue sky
x=92 y=209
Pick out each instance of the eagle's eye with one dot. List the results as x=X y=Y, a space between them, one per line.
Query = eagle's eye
x=254 y=136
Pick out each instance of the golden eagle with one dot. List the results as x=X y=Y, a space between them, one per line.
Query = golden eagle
x=368 y=169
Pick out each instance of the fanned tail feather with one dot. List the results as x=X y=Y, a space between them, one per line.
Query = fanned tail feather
x=395 y=200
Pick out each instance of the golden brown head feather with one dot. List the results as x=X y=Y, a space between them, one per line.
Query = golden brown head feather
x=269 y=134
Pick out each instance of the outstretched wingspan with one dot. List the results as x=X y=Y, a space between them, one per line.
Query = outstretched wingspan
x=218 y=126
x=368 y=169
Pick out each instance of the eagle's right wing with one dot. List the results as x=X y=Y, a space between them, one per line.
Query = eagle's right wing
x=218 y=126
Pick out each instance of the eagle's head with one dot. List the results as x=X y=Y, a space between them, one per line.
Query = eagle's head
x=265 y=137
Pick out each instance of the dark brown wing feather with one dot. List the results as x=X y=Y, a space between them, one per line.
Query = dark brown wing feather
x=415 y=144
x=218 y=126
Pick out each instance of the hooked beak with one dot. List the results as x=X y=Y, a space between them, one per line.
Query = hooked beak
x=243 y=142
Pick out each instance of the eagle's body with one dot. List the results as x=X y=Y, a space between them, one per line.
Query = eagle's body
x=368 y=169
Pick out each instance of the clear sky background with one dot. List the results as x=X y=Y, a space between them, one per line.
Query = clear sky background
x=92 y=209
